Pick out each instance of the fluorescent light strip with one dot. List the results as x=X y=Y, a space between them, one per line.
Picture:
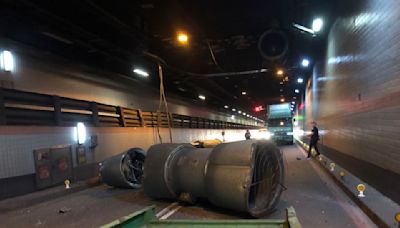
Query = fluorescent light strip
x=303 y=28
x=141 y=72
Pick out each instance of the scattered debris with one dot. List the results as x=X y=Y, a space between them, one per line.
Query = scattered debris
x=64 y=210
x=38 y=223
x=206 y=143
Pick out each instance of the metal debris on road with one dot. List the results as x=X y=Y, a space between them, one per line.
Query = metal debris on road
x=64 y=210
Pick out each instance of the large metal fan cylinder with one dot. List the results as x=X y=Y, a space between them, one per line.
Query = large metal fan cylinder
x=243 y=176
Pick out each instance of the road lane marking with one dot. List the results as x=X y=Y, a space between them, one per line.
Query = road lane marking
x=171 y=212
x=167 y=210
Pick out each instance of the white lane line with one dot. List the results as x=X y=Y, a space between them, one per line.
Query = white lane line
x=171 y=212
x=165 y=210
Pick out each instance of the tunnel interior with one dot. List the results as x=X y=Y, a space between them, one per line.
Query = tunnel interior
x=87 y=88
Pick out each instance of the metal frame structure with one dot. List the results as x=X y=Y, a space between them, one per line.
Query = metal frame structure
x=147 y=218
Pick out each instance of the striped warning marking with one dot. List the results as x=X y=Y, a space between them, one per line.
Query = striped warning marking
x=168 y=211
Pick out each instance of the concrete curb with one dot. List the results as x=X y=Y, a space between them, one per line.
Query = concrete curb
x=379 y=208
x=31 y=199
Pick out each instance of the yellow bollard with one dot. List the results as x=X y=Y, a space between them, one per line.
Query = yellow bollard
x=341 y=173
x=332 y=165
x=397 y=218
x=67 y=182
x=361 y=189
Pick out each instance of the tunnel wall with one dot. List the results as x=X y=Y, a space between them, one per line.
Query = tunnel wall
x=46 y=73
x=355 y=94
x=40 y=72
x=17 y=167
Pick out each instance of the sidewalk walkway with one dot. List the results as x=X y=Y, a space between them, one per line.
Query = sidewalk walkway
x=44 y=195
x=377 y=206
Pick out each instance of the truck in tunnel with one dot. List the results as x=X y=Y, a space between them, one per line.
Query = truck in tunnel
x=280 y=123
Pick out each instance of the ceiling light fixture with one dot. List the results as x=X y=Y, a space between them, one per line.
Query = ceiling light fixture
x=304 y=29
x=141 y=72
x=7 y=61
x=279 y=72
x=317 y=24
x=81 y=133
x=182 y=38
x=202 y=97
x=305 y=62
x=300 y=80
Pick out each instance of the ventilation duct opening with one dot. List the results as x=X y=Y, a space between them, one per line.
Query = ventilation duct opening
x=124 y=170
x=267 y=179
x=273 y=45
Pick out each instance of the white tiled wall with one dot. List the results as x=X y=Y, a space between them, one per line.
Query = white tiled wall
x=17 y=144
x=358 y=88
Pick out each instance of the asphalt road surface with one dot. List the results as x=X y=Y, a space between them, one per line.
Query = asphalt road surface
x=317 y=200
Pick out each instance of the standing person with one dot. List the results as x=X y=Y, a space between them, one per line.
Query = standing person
x=314 y=139
x=247 y=135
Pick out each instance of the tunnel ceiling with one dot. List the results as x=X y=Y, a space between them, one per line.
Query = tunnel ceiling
x=223 y=38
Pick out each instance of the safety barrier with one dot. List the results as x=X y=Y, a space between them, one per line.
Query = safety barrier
x=27 y=108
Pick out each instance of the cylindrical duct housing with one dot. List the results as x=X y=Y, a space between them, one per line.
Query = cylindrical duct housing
x=273 y=45
x=244 y=176
x=124 y=170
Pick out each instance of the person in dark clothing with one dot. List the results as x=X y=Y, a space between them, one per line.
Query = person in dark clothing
x=247 y=135
x=314 y=139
